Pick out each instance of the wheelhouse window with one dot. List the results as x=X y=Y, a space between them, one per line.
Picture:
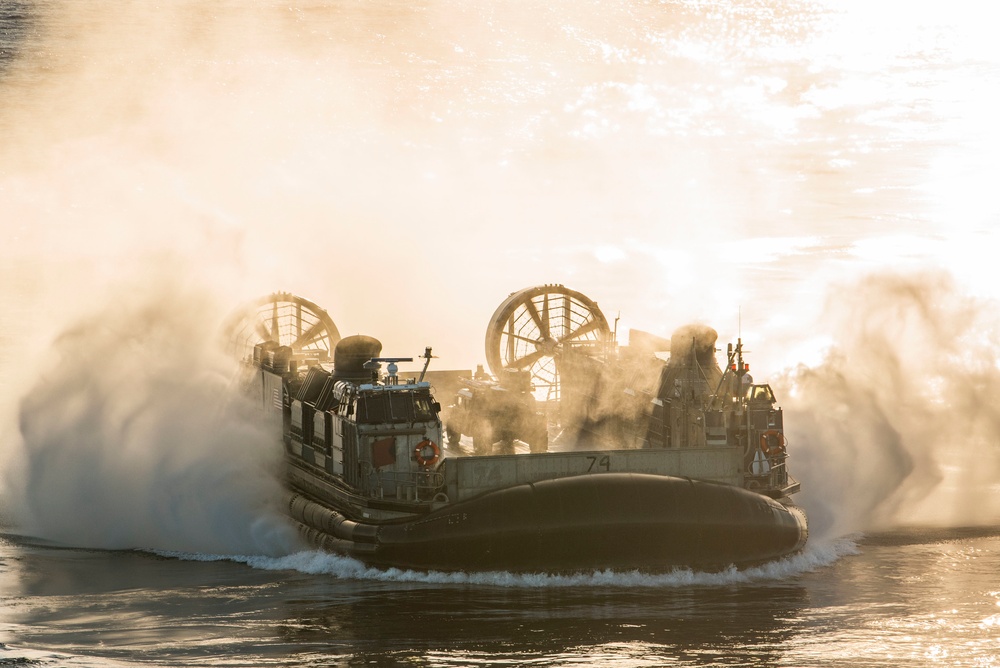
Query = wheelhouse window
x=761 y=393
x=382 y=407
x=423 y=410
x=401 y=405
x=373 y=408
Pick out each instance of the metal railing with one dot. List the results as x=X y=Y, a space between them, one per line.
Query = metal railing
x=775 y=478
x=408 y=485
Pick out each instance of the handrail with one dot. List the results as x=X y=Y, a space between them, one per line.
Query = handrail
x=426 y=481
x=776 y=477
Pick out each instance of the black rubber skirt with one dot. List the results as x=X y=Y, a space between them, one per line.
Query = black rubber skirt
x=616 y=521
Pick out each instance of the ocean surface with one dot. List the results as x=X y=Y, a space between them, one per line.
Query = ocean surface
x=817 y=177
x=903 y=598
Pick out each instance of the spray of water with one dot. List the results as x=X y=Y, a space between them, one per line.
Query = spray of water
x=818 y=555
x=132 y=437
x=899 y=423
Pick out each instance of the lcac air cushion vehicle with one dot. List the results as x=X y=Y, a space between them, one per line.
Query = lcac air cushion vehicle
x=660 y=464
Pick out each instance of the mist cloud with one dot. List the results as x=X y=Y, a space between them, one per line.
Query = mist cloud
x=133 y=436
x=900 y=422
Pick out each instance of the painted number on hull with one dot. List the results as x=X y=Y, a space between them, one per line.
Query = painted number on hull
x=599 y=463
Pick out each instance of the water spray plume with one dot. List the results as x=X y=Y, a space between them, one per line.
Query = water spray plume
x=132 y=437
x=899 y=424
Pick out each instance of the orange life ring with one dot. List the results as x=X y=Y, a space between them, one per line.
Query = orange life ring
x=427 y=452
x=772 y=442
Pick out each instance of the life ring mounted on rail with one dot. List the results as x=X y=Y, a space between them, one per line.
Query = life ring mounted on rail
x=772 y=443
x=427 y=453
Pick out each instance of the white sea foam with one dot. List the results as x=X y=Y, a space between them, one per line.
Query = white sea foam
x=313 y=562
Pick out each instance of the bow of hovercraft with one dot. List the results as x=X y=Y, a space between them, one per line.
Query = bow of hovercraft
x=618 y=521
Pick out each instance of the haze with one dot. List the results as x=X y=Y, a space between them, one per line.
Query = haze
x=818 y=181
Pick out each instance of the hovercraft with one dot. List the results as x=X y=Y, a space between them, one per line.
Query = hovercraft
x=659 y=463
